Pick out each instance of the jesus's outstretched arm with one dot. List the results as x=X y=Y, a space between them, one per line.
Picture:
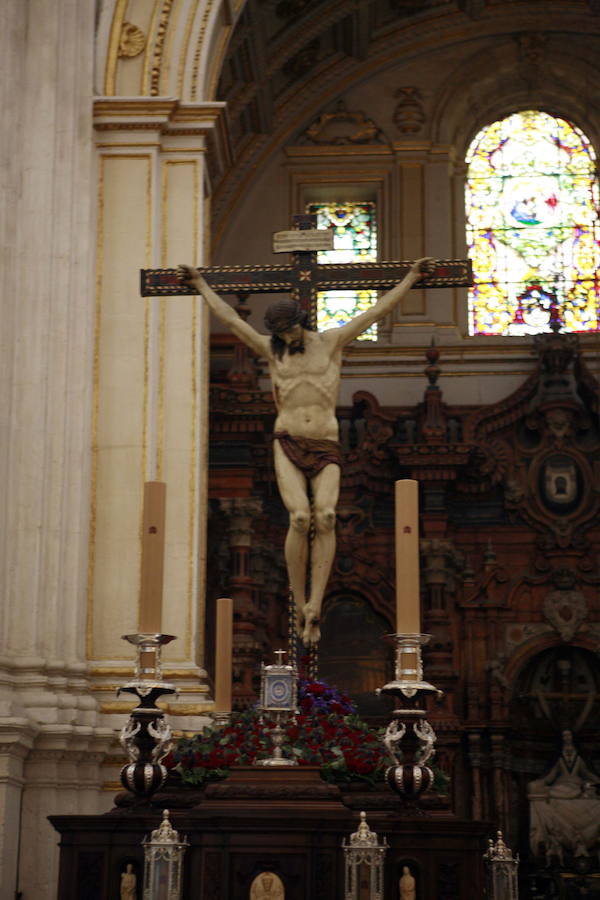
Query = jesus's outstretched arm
x=260 y=343
x=346 y=333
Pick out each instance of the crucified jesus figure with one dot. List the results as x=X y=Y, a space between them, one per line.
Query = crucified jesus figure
x=305 y=368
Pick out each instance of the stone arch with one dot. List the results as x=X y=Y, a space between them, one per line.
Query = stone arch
x=548 y=671
x=531 y=648
x=184 y=48
x=489 y=86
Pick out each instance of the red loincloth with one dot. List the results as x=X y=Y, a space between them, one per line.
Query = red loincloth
x=309 y=454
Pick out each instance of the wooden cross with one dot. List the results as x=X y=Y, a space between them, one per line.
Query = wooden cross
x=304 y=277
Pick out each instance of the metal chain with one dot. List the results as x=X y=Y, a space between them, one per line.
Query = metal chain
x=313 y=662
x=292 y=635
x=313 y=653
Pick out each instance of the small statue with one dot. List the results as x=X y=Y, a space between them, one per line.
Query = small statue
x=408 y=885
x=570 y=777
x=565 y=807
x=128 y=883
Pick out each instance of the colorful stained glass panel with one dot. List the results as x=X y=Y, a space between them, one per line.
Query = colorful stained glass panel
x=533 y=227
x=354 y=240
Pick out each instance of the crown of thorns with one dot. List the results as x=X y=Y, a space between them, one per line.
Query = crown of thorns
x=284 y=314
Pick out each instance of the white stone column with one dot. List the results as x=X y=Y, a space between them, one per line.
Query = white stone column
x=46 y=362
x=151 y=412
x=48 y=303
x=442 y=304
x=62 y=774
x=16 y=739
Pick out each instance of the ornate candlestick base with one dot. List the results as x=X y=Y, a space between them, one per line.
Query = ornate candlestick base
x=409 y=737
x=146 y=736
x=220 y=719
x=277 y=736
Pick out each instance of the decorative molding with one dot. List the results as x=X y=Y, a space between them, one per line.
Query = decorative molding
x=241 y=513
x=163 y=114
x=302 y=62
x=290 y=9
x=159 y=46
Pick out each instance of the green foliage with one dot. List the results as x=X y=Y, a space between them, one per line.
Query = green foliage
x=327 y=733
x=344 y=747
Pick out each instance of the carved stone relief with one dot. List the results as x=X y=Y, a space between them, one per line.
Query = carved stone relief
x=300 y=64
x=565 y=610
x=532 y=54
x=267 y=886
x=343 y=126
x=132 y=40
x=409 y=115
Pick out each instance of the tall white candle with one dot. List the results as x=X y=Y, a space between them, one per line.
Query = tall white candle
x=224 y=654
x=152 y=568
x=153 y=554
x=408 y=601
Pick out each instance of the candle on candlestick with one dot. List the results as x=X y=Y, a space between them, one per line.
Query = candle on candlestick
x=224 y=655
x=408 y=600
x=152 y=567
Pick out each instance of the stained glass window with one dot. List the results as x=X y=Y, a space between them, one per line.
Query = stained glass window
x=533 y=227
x=354 y=240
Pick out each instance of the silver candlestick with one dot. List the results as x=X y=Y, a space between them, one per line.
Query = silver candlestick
x=409 y=737
x=146 y=736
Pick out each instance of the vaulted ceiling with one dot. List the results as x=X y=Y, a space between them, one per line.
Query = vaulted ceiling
x=288 y=60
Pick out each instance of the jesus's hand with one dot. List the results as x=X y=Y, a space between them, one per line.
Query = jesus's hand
x=189 y=275
x=423 y=266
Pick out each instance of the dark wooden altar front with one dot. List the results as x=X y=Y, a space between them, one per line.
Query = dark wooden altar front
x=290 y=823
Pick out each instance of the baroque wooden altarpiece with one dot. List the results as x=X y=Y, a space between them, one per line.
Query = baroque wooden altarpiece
x=510 y=504
x=510 y=544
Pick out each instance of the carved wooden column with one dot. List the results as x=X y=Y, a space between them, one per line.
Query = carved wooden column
x=247 y=647
x=498 y=755
x=474 y=755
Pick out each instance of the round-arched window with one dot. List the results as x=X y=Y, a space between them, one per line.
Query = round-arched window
x=533 y=227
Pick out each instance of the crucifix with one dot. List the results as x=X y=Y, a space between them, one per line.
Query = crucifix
x=305 y=369
x=303 y=278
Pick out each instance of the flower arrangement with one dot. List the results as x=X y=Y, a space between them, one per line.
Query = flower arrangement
x=327 y=733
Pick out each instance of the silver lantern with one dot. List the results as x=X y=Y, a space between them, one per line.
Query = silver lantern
x=163 y=860
x=364 y=856
x=502 y=883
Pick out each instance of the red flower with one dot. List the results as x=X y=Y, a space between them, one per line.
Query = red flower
x=316 y=688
